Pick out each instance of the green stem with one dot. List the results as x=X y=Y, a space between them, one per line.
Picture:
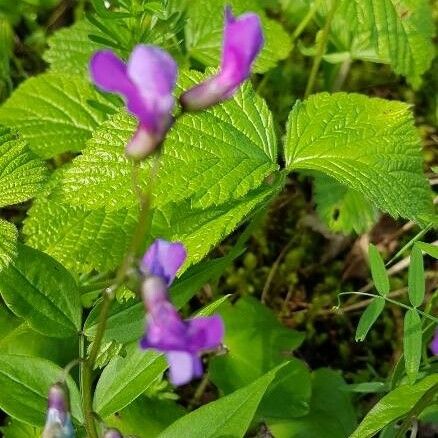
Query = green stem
x=305 y=21
x=397 y=303
x=320 y=50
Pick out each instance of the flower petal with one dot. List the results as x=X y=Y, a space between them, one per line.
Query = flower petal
x=181 y=367
x=205 y=332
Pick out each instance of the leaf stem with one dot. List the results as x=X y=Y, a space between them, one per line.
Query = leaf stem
x=306 y=19
x=322 y=43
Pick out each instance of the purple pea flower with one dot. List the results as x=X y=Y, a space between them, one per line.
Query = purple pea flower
x=58 y=421
x=112 y=433
x=146 y=82
x=182 y=341
x=243 y=40
x=434 y=344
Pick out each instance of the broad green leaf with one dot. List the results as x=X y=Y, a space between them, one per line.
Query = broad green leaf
x=22 y=174
x=70 y=48
x=204 y=31
x=146 y=417
x=125 y=378
x=331 y=411
x=428 y=248
x=412 y=343
x=52 y=112
x=343 y=209
x=251 y=353
x=210 y=157
x=398 y=32
x=40 y=290
x=17 y=429
x=369 y=317
x=25 y=382
x=378 y=270
x=394 y=406
x=416 y=288
x=228 y=416
x=368 y=144
x=8 y=243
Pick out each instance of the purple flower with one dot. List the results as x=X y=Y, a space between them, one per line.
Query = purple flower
x=112 y=433
x=434 y=344
x=243 y=40
x=58 y=421
x=146 y=82
x=163 y=259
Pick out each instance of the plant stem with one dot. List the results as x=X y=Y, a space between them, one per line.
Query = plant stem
x=321 y=49
x=305 y=21
x=87 y=368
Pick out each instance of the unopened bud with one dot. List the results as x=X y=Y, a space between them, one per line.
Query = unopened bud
x=58 y=420
x=112 y=433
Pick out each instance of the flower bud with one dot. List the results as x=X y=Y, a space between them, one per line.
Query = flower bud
x=58 y=421
x=112 y=433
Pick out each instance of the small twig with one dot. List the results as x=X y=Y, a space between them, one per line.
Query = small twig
x=199 y=391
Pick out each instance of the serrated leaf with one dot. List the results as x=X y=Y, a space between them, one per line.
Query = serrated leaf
x=368 y=144
x=22 y=174
x=210 y=157
x=126 y=378
x=40 y=290
x=8 y=243
x=369 y=317
x=416 y=287
x=228 y=416
x=52 y=112
x=378 y=271
x=412 y=343
x=25 y=382
x=205 y=27
x=393 y=406
x=343 y=209
x=398 y=32
x=428 y=248
x=70 y=48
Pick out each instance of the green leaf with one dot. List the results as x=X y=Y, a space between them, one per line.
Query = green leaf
x=40 y=290
x=412 y=343
x=209 y=157
x=228 y=416
x=331 y=411
x=343 y=209
x=369 y=317
x=251 y=353
x=393 y=406
x=378 y=270
x=17 y=429
x=8 y=243
x=416 y=278
x=205 y=27
x=52 y=112
x=428 y=248
x=25 y=382
x=368 y=144
x=125 y=378
x=398 y=32
x=22 y=174
x=70 y=49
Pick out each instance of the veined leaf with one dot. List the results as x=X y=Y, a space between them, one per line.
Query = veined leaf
x=394 y=406
x=8 y=243
x=228 y=416
x=22 y=174
x=370 y=145
x=378 y=270
x=40 y=290
x=52 y=112
x=416 y=288
x=25 y=383
x=343 y=209
x=369 y=317
x=125 y=378
x=204 y=31
x=412 y=343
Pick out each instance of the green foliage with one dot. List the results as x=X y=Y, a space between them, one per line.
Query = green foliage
x=229 y=416
x=25 y=388
x=369 y=317
x=416 y=287
x=397 y=32
x=378 y=271
x=204 y=29
x=17 y=429
x=428 y=248
x=412 y=343
x=370 y=145
x=125 y=378
x=52 y=112
x=42 y=291
x=8 y=243
x=394 y=406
